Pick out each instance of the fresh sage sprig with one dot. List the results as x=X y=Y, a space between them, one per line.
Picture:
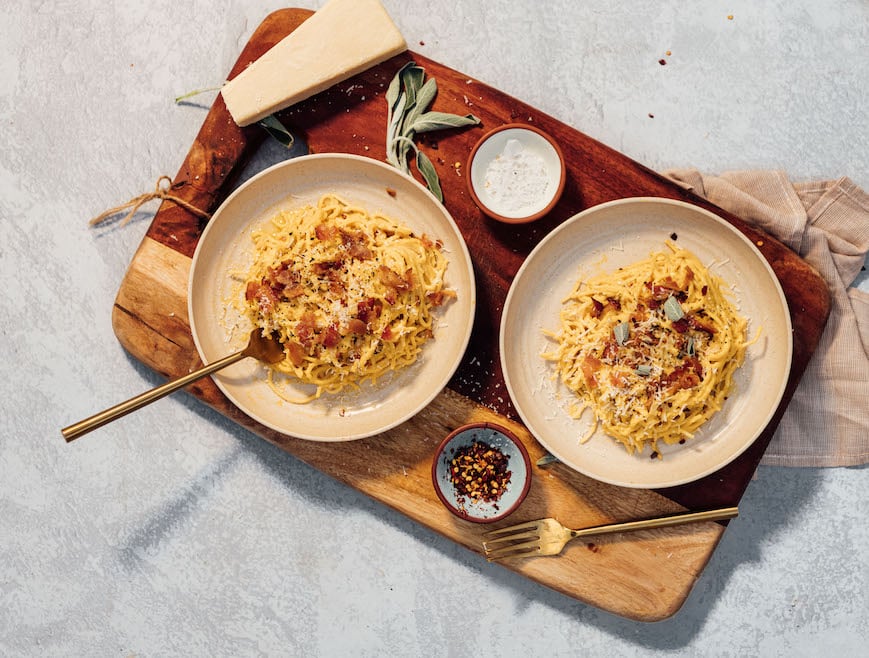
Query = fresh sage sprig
x=408 y=98
x=277 y=130
x=270 y=123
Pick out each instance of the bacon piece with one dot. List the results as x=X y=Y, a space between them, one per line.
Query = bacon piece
x=596 y=308
x=296 y=353
x=356 y=244
x=589 y=366
x=685 y=376
x=439 y=297
x=369 y=310
x=327 y=267
x=386 y=334
x=265 y=297
x=357 y=326
x=330 y=337
x=326 y=231
x=306 y=328
x=701 y=324
x=295 y=291
x=391 y=279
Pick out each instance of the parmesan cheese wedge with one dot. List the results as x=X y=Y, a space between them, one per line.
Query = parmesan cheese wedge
x=341 y=39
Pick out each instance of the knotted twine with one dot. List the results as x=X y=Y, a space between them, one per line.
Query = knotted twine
x=162 y=191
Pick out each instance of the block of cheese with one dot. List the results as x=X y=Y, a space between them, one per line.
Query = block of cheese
x=341 y=39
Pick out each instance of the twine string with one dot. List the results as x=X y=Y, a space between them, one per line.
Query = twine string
x=162 y=191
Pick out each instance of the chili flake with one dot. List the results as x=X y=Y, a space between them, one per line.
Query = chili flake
x=479 y=472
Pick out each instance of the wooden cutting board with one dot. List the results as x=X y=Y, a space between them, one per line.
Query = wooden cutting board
x=646 y=575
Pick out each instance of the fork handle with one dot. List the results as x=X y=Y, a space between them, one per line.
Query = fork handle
x=662 y=522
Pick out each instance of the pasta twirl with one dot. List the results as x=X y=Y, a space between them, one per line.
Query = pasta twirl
x=350 y=294
x=650 y=349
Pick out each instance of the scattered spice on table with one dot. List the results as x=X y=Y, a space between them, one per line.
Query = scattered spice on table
x=479 y=472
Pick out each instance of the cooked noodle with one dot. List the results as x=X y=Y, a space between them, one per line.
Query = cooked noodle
x=350 y=294
x=651 y=349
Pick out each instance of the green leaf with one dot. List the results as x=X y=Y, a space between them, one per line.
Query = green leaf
x=441 y=120
x=424 y=98
x=673 y=309
x=621 y=332
x=426 y=168
x=277 y=130
x=392 y=132
x=411 y=80
x=408 y=98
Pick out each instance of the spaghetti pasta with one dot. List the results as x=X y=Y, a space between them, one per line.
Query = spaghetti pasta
x=650 y=349
x=350 y=294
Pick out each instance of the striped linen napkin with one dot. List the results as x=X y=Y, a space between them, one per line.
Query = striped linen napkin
x=827 y=223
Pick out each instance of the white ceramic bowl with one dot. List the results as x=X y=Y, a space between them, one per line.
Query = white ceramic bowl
x=225 y=247
x=516 y=173
x=613 y=235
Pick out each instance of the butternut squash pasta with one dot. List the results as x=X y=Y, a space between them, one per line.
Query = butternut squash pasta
x=350 y=294
x=650 y=349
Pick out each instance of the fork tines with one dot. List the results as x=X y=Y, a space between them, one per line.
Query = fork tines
x=508 y=542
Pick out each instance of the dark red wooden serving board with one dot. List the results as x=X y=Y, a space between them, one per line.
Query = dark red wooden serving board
x=645 y=575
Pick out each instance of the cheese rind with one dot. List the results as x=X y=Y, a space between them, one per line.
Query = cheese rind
x=341 y=39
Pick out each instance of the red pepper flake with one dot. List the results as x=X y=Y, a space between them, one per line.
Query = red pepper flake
x=391 y=192
x=479 y=472
x=662 y=62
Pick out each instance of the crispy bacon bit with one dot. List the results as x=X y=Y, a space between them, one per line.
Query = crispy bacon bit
x=700 y=324
x=357 y=326
x=685 y=376
x=681 y=325
x=265 y=297
x=327 y=266
x=326 y=231
x=597 y=308
x=438 y=298
x=589 y=366
x=386 y=334
x=296 y=353
x=306 y=328
x=296 y=291
x=356 y=244
x=369 y=309
x=330 y=337
x=391 y=279
x=704 y=290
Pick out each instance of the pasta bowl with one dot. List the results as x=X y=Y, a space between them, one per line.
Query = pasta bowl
x=618 y=234
x=225 y=252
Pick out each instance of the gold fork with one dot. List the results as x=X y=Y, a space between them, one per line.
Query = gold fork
x=548 y=536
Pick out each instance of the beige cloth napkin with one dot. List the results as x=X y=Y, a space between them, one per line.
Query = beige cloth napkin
x=827 y=223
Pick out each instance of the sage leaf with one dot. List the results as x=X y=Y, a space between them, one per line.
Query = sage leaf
x=424 y=98
x=426 y=168
x=277 y=130
x=408 y=98
x=673 y=309
x=441 y=120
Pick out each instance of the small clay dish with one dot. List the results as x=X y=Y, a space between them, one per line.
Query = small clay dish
x=505 y=461
x=516 y=173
